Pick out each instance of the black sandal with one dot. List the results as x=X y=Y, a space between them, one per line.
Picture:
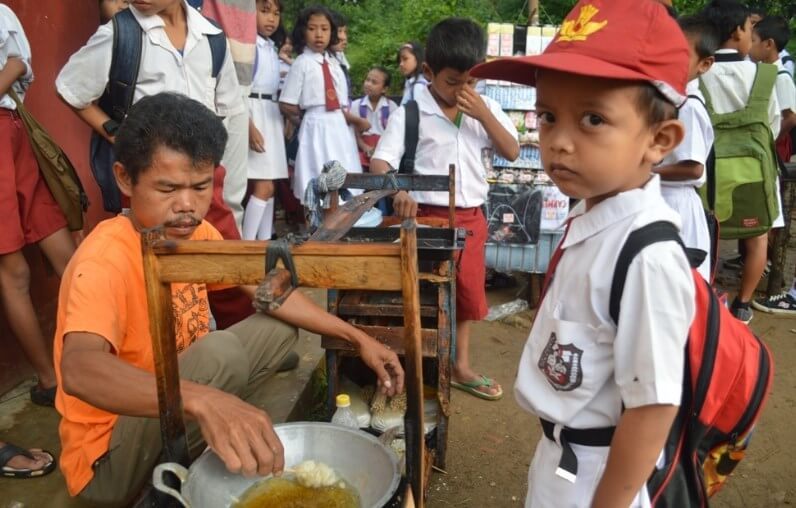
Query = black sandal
x=9 y=451
x=43 y=396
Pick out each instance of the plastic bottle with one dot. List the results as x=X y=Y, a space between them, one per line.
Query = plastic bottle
x=344 y=416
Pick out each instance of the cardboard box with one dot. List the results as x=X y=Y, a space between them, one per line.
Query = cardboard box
x=493 y=39
x=506 y=39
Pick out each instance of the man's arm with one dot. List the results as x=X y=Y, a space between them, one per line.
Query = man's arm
x=298 y=310
x=95 y=118
x=788 y=122
x=292 y=112
x=637 y=443
x=239 y=433
x=14 y=69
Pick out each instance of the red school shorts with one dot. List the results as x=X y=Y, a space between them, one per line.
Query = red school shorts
x=471 y=270
x=29 y=211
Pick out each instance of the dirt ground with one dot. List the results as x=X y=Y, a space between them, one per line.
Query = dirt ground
x=491 y=443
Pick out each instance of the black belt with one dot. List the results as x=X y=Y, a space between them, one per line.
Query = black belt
x=568 y=465
x=264 y=96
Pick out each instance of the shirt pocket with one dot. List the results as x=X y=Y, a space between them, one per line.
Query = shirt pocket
x=575 y=359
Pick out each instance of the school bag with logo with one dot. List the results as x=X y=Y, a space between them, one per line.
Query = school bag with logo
x=745 y=162
x=728 y=374
x=57 y=170
x=118 y=96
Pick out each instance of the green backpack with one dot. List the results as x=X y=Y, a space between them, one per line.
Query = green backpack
x=743 y=176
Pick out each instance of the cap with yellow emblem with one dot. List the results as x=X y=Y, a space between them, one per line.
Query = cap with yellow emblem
x=617 y=39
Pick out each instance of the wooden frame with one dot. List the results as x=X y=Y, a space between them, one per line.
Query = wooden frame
x=388 y=267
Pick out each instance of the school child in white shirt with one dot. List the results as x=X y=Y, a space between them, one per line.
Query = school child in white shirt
x=410 y=63
x=376 y=108
x=457 y=126
x=769 y=37
x=315 y=96
x=606 y=393
x=682 y=172
x=30 y=214
x=338 y=50
x=730 y=82
x=267 y=160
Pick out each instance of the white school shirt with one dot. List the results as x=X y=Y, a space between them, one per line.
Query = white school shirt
x=373 y=115
x=698 y=138
x=411 y=87
x=304 y=82
x=163 y=69
x=729 y=84
x=266 y=77
x=785 y=88
x=577 y=367
x=441 y=143
x=13 y=43
x=789 y=66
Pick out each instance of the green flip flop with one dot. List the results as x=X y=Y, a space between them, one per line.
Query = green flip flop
x=472 y=387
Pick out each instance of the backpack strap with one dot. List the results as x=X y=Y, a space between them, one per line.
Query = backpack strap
x=411 y=137
x=765 y=79
x=710 y=163
x=385 y=115
x=218 y=48
x=787 y=59
x=708 y=102
x=125 y=63
x=363 y=108
x=661 y=231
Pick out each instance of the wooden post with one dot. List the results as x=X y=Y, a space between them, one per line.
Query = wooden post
x=413 y=422
x=533 y=12
x=164 y=349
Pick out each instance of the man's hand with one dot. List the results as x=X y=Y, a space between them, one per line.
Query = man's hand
x=471 y=104
x=385 y=364
x=240 y=434
x=404 y=205
x=256 y=141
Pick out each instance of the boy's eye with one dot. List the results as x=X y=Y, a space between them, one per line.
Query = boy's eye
x=545 y=117
x=592 y=120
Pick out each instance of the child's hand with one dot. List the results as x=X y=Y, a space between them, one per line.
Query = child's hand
x=471 y=104
x=256 y=141
x=363 y=125
x=404 y=205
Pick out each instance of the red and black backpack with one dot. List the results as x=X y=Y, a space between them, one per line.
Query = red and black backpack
x=727 y=378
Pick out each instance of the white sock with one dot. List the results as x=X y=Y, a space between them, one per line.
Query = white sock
x=267 y=223
x=252 y=217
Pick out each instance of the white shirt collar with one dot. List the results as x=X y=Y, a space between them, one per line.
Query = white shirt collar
x=426 y=102
x=197 y=23
x=366 y=100
x=318 y=57
x=263 y=42
x=692 y=86
x=610 y=211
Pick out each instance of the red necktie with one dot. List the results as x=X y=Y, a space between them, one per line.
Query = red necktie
x=332 y=102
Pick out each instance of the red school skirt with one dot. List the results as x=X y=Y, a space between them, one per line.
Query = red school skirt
x=29 y=211
x=471 y=266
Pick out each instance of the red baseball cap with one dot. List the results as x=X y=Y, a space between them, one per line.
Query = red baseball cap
x=618 y=39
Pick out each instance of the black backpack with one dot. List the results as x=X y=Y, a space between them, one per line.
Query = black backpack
x=411 y=137
x=118 y=96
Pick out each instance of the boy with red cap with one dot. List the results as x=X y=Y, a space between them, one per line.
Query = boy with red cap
x=606 y=393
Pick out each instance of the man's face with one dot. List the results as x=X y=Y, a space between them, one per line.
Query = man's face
x=172 y=191
x=760 y=50
x=745 y=38
x=447 y=83
x=152 y=7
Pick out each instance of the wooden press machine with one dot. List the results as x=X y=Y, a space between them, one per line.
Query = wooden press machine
x=341 y=261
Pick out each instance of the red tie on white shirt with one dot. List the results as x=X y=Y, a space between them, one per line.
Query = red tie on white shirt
x=332 y=102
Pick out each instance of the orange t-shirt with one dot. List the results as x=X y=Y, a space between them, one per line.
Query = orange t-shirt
x=103 y=292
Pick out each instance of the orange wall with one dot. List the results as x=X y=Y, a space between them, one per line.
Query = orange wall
x=55 y=29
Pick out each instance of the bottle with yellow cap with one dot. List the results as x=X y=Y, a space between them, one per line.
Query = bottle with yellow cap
x=344 y=416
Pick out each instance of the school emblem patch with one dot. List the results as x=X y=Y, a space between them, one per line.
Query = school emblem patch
x=561 y=365
x=582 y=27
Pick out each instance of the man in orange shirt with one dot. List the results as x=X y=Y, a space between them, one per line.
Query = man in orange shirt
x=167 y=149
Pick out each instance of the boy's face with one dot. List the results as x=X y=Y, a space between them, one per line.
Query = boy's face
x=447 y=83
x=762 y=50
x=595 y=141
x=696 y=66
x=109 y=8
x=318 y=33
x=172 y=191
x=267 y=18
x=152 y=7
x=743 y=37
x=374 y=84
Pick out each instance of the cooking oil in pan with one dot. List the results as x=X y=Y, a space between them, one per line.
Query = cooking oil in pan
x=287 y=493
